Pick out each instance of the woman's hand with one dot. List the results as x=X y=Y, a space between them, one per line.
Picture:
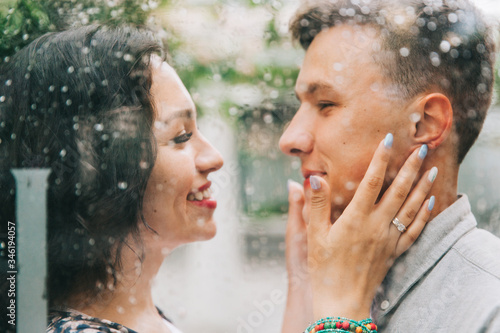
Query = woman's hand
x=348 y=260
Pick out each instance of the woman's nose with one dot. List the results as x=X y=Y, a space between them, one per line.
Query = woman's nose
x=208 y=158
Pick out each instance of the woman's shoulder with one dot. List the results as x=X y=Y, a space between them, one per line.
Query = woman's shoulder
x=74 y=322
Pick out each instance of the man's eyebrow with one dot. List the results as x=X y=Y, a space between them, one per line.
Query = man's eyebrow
x=315 y=86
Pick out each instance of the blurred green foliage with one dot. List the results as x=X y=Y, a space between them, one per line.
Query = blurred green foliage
x=22 y=21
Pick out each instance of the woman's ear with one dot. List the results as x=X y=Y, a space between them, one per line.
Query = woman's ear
x=435 y=121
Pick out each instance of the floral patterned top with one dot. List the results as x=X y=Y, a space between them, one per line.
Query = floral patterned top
x=71 y=321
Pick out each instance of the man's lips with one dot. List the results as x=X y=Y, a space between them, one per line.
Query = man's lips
x=308 y=173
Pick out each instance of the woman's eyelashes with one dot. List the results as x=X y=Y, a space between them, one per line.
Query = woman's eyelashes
x=184 y=137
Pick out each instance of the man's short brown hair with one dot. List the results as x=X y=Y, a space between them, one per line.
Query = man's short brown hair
x=426 y=45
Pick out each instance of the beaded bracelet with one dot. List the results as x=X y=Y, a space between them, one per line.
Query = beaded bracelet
x=340 y=324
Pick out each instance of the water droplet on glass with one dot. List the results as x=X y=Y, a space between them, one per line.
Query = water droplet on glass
x=445 y=46
x=404 y=51
x=2 y=99
x=69 y=102
x=122 y=185
x=71 y=69
x=338 y=66
x=431 y=26
x=52 y=88
x=98 y=127
x=452 y=17
x=415 y=117
x=399 y=19
x=435 y=60
x=64 y=89
x=62 y=153
x=8 y=82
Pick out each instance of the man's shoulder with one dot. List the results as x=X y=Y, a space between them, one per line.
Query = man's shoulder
x=480 y=249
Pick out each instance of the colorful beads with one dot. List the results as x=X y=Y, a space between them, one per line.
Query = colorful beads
x=340 y=324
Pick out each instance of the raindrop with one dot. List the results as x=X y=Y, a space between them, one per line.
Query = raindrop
x=91 y=241
x=404 y=51
x=268 y=77
x=104 y=166
x=52 y=88
x=350 y=12
x=2 y=99
x=144 y=164
x=338 y=66
x=399 y=19
x=105 y=137
x=456 y=41
x=8 y=82
x=444 y=46
x=71 y=69
x=480 y=48
x=268 y=118
x=304 y=22
x=13 y=136
x=454 y=53
x=98 y=127
x=62 y=153
x=33 y=106
x=64 y=89
x=350 y=186
x=26 y=36
x=122 y=185
x=452 y=17
x=69 y=102
x=128 y=57
x=274 y=94
x=431 y=26
x=104 y=83
x=85 y=50
x=481 y=88
x=435 y=60
x=374 y=87
x=415 y=117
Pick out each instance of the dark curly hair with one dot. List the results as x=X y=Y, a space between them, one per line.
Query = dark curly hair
x=79 y=102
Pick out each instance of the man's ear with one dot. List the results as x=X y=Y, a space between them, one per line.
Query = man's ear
x=436 y=120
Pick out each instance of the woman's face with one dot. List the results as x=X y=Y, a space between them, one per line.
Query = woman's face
x=178 y=203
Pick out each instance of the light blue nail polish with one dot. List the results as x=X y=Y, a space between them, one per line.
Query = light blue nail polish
x=315 y=182
x=422 y=152
x=388 y=140
x=432 y=174
x=431 y=203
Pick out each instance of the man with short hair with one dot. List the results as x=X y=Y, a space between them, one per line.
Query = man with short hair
x=423 y=71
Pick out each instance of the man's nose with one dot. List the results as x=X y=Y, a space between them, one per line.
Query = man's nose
x=297 y=138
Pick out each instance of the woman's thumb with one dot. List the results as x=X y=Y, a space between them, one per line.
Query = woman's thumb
x=319 y=217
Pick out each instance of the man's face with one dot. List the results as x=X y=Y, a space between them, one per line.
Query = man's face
x=346 y=110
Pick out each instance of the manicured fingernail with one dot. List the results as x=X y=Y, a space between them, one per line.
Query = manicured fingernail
x=315 y=183
x=432 y=174
x=422 y=152
x=388 y=140
x=431 y=203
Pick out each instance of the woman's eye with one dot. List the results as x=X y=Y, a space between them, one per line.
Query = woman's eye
x=183 y=138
